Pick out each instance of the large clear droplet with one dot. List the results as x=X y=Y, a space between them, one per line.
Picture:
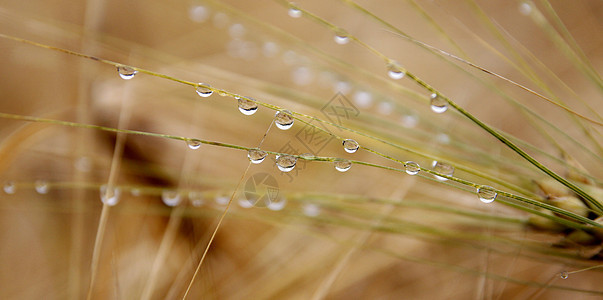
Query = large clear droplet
x=564 y=274
x=438 y=104
x=41 y=186
x=486 y=194
x=193 y=143
x=247 y=107
x=283 y=119
x=109 y=196
x=203 y=89
x=286 y=163
x=126 y=72
x=256 y=156
x=276 y=205
x=170 y=197
x=412 y=168
x=294 y=12
x=394 y=71
x=341 y=37
x=342 y=165
x=9 y=187
x=196 y=198
x=350 y=146
x=442 y=168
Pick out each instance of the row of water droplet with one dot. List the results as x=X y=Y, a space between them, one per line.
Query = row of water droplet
x=486 y=194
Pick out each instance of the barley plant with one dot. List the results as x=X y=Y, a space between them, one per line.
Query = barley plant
x=340 y=149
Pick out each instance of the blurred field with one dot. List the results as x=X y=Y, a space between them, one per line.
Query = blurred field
x=368 y=233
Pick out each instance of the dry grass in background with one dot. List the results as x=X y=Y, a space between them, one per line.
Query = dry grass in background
x=369 y=233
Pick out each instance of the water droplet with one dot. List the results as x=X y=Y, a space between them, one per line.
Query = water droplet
x=307 y=156
x=247 y=107
x=126 y=72
x=198 y=13
x=83 y=164
x=135 y=192
x=203 y=89
x=350 y=146
x=564 y=274
x=412 y=168
x=294 y=12
x=222 y=200
x=283 y=119
x=409 y=121
x=41 y=186
x=193 y=143
x=395 y=71
x=341 y=37
x=438 y=104
x=302 y=76
x=236 y=30
x=311 y=210
x=442 y=168
x=170 y=197
x=9 y=187
x=196 y=198
x=256 y=156
x=443 y=138
x=109 y=196
x=277 y=205
x=342 y=165
x=343 y=87
x=385 y=108
x=486 y=194
x=285 y=162
x=363 y=99
x=525 y=8
x=270 y=49
x=245 y=203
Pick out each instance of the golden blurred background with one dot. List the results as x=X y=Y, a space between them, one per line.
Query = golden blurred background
x=367 y=233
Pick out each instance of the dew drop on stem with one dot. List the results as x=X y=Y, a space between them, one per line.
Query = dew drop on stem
x=126 y=72
x=9 y=187
x=283 y=119
x=342 y=165
x=203 y=89
x=193 y=144
x=350 y=146
x=294 y=12
x=109 y=196
x=438 y=104
x=256 y=156
x=247 y=107
x=341 y=37
x=41 y=186
x=412 y=168
x=286 y=163
x=170 y=197
x=442 y=168
x=394 y=71
x=486 y=194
